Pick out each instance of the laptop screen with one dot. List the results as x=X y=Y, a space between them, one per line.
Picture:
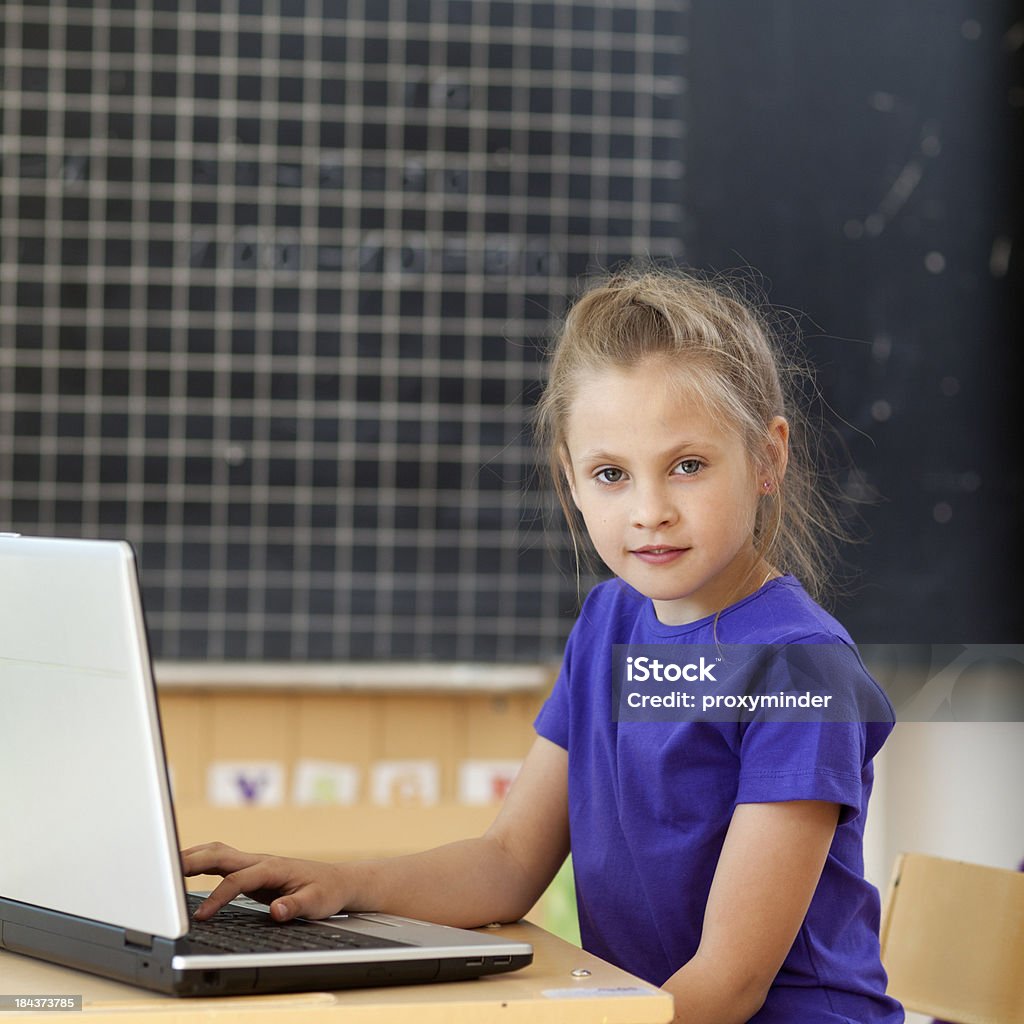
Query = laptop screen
x=88 y=827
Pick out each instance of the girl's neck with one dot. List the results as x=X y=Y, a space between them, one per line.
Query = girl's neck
x=681 y=613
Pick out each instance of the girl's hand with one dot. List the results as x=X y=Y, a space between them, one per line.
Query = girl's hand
x=292 y=888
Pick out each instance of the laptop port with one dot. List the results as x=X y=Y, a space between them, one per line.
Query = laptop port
x=501 y=960
x=475 y=963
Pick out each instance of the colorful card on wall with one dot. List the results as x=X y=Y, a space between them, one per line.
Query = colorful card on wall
x=486 y=781
x=405 y=783
x=245 y=784
x=325 y=782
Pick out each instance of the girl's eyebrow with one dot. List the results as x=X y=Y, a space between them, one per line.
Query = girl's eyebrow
x=597 y=455
x=602 y=455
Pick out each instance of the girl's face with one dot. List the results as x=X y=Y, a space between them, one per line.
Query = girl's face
x=668 y=495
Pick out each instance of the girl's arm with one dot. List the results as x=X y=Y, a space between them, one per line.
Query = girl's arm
x=767 y=873
x=497 y=877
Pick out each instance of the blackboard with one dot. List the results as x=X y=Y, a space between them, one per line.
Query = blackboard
x=276 y=278
x=275 y=281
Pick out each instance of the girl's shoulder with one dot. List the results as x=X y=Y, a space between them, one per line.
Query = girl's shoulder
x=783 y=612
x=610 y=606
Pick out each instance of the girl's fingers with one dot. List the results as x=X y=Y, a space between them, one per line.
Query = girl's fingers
x=215 y=859
x=292 y=888
x=254 y=879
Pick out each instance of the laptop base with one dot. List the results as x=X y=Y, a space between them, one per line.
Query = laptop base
x=117 y=954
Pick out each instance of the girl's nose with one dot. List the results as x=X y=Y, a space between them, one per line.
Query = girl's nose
x=653 y=509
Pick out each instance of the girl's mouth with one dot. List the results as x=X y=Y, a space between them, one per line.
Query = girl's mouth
x=658 y=554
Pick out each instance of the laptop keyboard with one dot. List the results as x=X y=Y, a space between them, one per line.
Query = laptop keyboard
x=238 y=930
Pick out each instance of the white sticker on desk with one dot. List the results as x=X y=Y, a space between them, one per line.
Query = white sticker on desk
x=325 y=782
x=597 y=992
x=245 y=784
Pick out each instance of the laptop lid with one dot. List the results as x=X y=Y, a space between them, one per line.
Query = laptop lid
x=89 y=829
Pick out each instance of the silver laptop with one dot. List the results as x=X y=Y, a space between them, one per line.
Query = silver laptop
x=90 y=875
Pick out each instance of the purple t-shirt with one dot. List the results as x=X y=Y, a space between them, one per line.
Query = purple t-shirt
x=650 y=803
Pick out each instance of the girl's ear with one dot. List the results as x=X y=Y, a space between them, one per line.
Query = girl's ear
x=778 y=447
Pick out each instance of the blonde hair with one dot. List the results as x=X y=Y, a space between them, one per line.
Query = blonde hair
x=733 y=360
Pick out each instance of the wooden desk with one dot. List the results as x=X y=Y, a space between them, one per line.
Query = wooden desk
x=544 y=992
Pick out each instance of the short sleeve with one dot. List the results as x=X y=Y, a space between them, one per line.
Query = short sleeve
x=817 y=760
x=552 y=721
x=782 y=761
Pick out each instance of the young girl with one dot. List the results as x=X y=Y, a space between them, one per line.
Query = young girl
x=720 y=860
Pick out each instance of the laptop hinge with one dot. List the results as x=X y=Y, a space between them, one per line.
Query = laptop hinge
x=140 y=939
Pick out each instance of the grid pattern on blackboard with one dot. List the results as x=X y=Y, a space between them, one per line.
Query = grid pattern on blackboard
x=275 y=281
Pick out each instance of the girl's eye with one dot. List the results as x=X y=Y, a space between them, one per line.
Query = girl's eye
x=689 y=467
x=609 y=475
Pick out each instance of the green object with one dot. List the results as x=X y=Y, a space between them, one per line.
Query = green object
x=559 y=905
